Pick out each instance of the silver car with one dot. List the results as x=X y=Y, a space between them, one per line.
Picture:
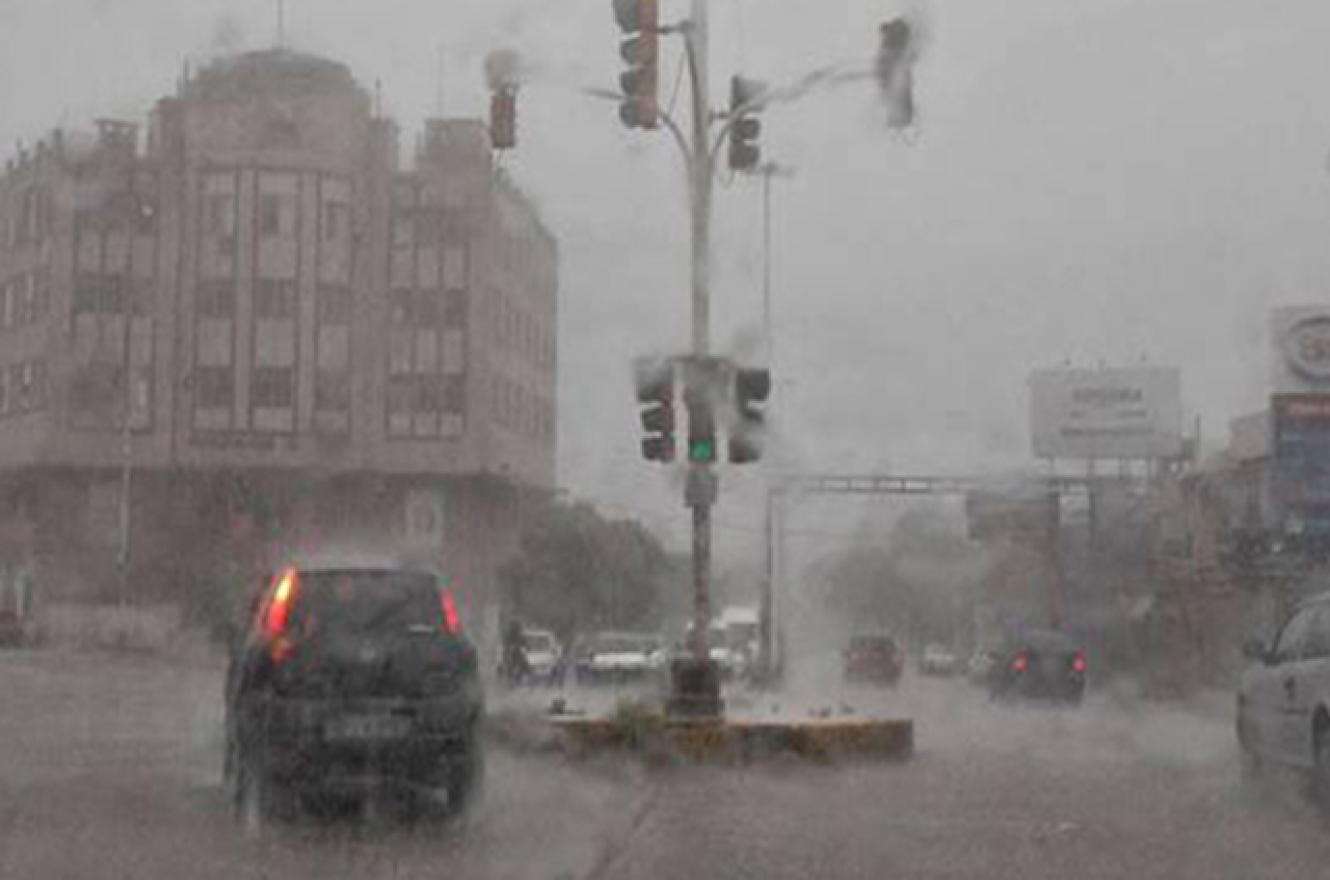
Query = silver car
x=1283 y=711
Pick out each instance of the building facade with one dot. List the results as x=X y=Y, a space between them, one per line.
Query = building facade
x=252 y=315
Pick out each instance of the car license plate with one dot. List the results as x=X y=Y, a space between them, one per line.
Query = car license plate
x=361 y=727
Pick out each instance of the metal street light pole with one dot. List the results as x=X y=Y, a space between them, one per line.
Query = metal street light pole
x=768 y=614
x=695 y=42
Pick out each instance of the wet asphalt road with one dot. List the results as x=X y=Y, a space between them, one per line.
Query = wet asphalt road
x=109 y=768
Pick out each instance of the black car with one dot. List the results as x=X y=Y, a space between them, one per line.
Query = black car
x=1039 y=664
x=352 y=681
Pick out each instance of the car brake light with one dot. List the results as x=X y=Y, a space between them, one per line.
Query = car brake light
x=280 y=606
x=452 y=624
x=1019 y=663
x=1078 y=663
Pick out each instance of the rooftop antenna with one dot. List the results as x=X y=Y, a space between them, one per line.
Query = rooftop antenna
x=281 y=24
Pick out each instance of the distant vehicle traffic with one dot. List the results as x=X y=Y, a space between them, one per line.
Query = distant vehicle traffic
x=937 y=659
x=1039 y=664
x=874 y=658
x=1283 y=702
x=980 y=664
x=352 y=682
x=544 y=656
x=619 y=656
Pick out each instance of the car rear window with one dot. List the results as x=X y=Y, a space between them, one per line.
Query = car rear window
x=366 y=601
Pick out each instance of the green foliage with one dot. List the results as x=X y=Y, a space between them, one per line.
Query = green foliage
x=575 y=571
x=912 y=583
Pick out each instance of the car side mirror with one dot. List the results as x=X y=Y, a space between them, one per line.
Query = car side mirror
x=1256 y=650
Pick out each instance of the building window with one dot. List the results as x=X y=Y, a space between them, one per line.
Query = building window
x=277 y=216
x=401 y=305
x=216 y=299
x=454 y=394
x=454 y=308
x=334 y=304
x=274 y=299
x=99 y=294
x=404 y=230
x=219 y=214
x=335 y=219
x=272 y=388
x=216 y=387
x=427 y=309
x=332 y=390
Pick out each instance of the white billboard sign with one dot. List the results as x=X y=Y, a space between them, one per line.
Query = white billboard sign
x=1126 y=412
x=1300 y=337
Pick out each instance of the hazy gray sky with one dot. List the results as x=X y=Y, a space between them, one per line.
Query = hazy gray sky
x=1099 y=180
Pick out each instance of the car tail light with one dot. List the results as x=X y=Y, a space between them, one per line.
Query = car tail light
x=1078 y=663
x=279 y=607
x=1019 y=663
x=452 y=624
x=277 y=613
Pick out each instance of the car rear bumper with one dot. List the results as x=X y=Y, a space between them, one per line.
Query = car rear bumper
x=296 y=741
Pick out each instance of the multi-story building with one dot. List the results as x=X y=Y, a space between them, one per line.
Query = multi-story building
x=272 y=333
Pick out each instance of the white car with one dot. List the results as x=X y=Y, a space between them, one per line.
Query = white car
x=937 y=660
x=612 y=656
x=1283 y=710
x=543 y=654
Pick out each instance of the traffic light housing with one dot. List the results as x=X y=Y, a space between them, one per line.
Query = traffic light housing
x=744 y=126
x=894 y=69
x=752 y=386
x=701 y=423
x=655 y=389
x=640 y=19
x=503 y=118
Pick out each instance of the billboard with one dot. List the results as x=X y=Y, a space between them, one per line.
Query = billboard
x=1302 y=458
x=1300 y=345
x=1123 y=412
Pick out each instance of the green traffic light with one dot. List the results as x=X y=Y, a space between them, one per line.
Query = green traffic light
x=702 y=450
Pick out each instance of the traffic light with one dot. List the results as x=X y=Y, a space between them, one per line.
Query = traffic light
x=655 y=389
x=640 y=19
x=752 y=386
x=701 y=423
x=894 y=69
x=744 y=126
x=503 y=118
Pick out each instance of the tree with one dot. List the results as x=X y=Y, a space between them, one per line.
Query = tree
x=576 y=570
x=913 y=583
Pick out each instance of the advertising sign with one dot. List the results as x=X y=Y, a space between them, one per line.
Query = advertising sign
x=1302 y=458
x=1126 y=412
x=1300 y=337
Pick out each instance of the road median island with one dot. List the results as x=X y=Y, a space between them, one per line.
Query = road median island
x=662 y=741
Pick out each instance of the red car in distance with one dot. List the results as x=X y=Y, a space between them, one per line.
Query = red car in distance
x=874 y=658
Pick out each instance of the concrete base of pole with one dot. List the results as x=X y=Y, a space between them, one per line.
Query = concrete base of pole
x=694 y=689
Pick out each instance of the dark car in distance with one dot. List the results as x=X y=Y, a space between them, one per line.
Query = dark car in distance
x=874 y=658
x=1040 y=665
x=352 y=682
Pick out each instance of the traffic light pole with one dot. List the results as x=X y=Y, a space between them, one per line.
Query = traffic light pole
x=695 y=42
